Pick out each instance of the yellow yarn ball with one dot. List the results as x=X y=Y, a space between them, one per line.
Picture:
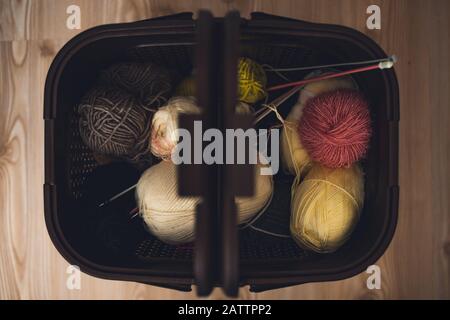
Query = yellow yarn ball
x=187 y=87
x=325 y=207
x=171 y=218
x=295 y=159
x=252 y=81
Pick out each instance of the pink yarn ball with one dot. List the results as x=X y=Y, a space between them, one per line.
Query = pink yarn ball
x=335 y=128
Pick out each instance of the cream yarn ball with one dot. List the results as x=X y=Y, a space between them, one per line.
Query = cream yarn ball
x=171 y=218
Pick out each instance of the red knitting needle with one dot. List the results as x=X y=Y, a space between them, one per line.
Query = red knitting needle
x=134 y=212
x=382 y=65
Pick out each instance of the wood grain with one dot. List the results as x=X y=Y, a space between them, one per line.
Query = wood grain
x=416 y=265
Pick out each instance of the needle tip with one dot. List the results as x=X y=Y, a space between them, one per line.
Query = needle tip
x=386 y=64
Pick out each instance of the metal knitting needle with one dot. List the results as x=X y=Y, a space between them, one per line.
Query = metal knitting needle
x=134 y=213
x=379 y=66
x=392 y=58
x=117 y=195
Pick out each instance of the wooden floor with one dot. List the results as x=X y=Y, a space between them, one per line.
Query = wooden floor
x=416 y=265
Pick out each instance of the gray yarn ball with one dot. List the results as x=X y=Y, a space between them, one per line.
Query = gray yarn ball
x=150 y=83
x=113 y=122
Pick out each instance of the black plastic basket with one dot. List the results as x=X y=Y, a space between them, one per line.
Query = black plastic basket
x=229 y=258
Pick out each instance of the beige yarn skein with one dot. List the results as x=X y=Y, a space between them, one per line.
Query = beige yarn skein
x=171 y=218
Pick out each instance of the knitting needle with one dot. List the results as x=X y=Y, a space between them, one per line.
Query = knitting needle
x=382 y=65
x=134 y=213
x=391 y=58
x=277 y=102
x=117 y=195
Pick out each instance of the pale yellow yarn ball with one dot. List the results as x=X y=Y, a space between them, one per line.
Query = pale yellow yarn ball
x=325 y=207
x=295 y=159
x=171 y=218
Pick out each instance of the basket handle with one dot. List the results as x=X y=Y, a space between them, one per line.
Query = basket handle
x=216 y=259
x=237 y=180
x=201 y=180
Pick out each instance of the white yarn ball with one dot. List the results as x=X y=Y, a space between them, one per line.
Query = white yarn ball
x=171 y=218
x=164 y=136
